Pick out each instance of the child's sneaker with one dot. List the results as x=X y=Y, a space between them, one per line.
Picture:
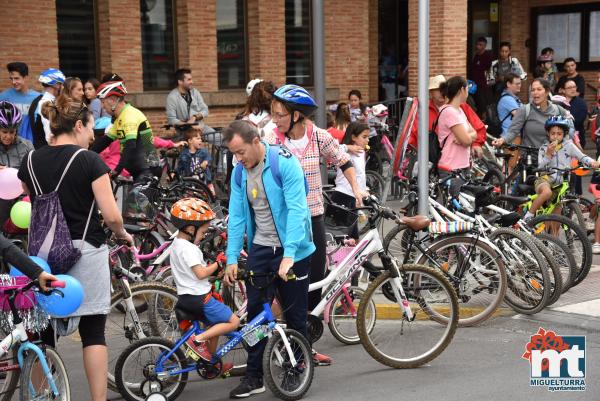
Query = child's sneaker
x=596 y=248
x=197 y=349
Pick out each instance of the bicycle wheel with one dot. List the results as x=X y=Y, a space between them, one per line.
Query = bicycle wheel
x=35 y=386
x=572 y=210
x=586 y=207
x=528 y=278
x=571 y=234
x=555 y=272
x=135 y=370
x=285 y=381
x=493 y=176
x=562 y=255
x=476 y=272
x=375 y=183
x=9 y=374
x=396 y=243
x=395 y=340
x=343 y=310
x=158 y=320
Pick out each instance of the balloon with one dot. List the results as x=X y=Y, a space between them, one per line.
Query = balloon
x=14 y=272
x=10 y=185
x=27 y=199
x=20 y=214
x=62 y=302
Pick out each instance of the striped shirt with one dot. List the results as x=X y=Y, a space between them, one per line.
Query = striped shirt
x=320 y=144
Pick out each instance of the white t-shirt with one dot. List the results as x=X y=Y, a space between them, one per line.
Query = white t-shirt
x=184 y=256
x=297 y=146
x=46 y=97
x=342 y=184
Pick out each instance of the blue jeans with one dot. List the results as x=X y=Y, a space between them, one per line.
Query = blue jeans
x=292 y=294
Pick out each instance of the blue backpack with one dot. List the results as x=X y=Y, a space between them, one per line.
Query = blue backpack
x=274 y=152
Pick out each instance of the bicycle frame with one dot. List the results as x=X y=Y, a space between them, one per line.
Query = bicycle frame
x=336 y=280
x=235 y=337
x=19 y=336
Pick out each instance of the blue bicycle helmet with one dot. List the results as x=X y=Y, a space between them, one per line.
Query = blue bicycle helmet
x=558 y=121
x=472 y=87
x=297 y=98
x=51 y=77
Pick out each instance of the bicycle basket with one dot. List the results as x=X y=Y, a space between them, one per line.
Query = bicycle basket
x=339 y=219
x=35 y=319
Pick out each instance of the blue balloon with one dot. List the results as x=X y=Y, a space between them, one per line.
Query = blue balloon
x=14 y=272
x=63 y=301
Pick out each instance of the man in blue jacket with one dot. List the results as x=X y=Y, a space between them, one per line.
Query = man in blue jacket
x=269 y=206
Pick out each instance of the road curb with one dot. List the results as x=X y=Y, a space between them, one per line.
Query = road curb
x=392 y=312
x=574 y=320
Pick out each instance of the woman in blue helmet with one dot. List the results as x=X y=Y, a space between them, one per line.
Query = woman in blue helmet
x=290 y=110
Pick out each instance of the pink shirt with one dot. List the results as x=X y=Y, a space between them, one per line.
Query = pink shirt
x=454 y=155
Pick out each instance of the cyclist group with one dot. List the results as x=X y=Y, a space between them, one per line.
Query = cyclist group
x=276 y=200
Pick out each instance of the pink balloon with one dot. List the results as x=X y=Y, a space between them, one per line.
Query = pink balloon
x=10 y=185
x=27 y=199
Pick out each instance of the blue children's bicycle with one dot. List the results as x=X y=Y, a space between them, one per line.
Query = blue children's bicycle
x=154 y=368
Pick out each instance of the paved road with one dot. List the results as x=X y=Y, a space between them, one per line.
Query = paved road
x=482 y=363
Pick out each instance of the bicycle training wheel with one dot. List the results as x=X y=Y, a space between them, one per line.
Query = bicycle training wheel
x=135 y=371
x=400 y=342
x=35 y=385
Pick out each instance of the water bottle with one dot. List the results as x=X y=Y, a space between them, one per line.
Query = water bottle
x=254 y=336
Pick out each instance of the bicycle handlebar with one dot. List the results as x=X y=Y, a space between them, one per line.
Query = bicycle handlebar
x=526 y=149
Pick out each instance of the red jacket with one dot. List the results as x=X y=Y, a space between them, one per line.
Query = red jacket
x=472 y=117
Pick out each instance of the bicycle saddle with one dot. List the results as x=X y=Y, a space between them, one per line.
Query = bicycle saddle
x=503 y=155
x=182 y=315
x=135 y=229
x=416 y=223
x=514 y=200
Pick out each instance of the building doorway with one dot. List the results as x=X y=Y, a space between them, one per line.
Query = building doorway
x=393 y=49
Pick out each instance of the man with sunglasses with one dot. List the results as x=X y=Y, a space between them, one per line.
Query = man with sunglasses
x=130 y=127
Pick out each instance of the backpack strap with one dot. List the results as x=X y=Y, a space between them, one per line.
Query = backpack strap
x=274 y=162
x=36 y=185
x=87 y=224
x=67 y=168
x=237 y=174
x=435 y=123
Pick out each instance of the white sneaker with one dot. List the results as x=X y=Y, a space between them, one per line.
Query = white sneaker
x=596 y=248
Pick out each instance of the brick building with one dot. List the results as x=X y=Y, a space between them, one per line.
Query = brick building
x=228 y=42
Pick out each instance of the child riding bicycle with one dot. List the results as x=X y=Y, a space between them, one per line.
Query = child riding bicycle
x=192 y=217
x=556 y=153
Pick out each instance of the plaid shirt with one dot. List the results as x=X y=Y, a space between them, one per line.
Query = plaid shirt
x=320 y=144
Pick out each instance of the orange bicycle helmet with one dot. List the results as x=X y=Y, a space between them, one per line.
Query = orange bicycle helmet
x=191 y=212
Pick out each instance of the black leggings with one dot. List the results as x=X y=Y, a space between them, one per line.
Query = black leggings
x=317 y=260
x=91 y=331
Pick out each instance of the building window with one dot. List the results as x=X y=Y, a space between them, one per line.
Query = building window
x=75 y=22
x=562 y=32
x=594 y=35
x=231 y=43
x=158 y=43
x=572 y=31
x=298 y=42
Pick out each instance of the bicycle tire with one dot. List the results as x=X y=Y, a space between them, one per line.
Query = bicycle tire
x=57 y=367
x=582 y=252
x=480 y=278
x=572 y=210
x=274 y=350
x=132 y=391
x=556 y=276
x=10 y=378
x=195 y=188
x=586 y=206
x=375 y=184
x=356 y=293
x=119 y=333
x=563 y=255
x=396 y=242
x=412 y=275
x=523 y=273
x=493 y=176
